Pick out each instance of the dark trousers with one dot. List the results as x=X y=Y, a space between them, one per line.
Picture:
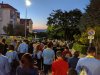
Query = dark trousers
x=42 y=65
x=47 y=68
x=39 y=63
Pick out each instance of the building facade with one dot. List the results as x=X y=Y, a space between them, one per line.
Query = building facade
x=8 y=15
x=29 y=24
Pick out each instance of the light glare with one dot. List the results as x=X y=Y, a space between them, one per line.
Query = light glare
x=28 y=2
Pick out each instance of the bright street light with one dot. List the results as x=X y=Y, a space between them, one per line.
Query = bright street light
x=27 y=3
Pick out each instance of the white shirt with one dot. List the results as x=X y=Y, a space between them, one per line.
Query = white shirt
x=4 y=65
x=23 y=48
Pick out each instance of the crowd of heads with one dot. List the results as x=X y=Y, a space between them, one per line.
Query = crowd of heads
x=28 y=58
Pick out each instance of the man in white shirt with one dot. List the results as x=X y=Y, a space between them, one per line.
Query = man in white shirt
x=22 y=48
x=4 y=64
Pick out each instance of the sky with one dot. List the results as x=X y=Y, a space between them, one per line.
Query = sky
x=40 y=9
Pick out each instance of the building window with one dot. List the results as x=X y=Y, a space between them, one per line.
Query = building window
x=11 y=22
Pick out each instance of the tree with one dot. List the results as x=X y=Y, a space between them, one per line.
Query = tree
x=19 y=30
x=55 y=24
x=9 y=29
x=53 y=32
x=92 y=15
x=97 y=38
x=66 y=22
x=91 y=18
x=41 y=34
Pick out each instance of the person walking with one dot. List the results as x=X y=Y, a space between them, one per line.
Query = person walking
x=11 y=54
x=73 y=60
x=26 y=66
x=89 y=64
x=14 y=43
x=22 y=48
x=5 y=46
x=31 y=48
x=13 y=59
x=4 y=64
x=39 y=57
x=59 y=67
x=48 y=57
x=66 y=54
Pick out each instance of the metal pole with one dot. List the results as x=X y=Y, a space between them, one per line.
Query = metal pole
x=26 y=22
x=90 y=42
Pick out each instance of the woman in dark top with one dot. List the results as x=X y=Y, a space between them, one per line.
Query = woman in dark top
x=31 y=48
x=73 y=60
x=26 y=67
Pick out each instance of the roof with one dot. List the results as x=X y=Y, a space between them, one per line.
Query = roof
x=25 y=19
x=22 y=21
x=7 y=6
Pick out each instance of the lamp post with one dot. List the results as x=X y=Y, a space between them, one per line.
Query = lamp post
x=35 y=35
x=27 y=4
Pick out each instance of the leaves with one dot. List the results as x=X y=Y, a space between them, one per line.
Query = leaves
x=92 y=15
x=9 y=29
x=64 y=23
x=17 y=30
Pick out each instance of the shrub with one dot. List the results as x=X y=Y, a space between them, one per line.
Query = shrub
x=79 y=47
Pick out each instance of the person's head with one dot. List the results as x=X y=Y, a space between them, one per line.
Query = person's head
x=72 y=72
x=15 y=40
x=59 y=54
x=1 y=48
x=76 y=54
x=11 y=47
x=25 y=41
x=27 y=60
x=50 y=45
x=91 y=51
x=3 y=40
x=66 y=49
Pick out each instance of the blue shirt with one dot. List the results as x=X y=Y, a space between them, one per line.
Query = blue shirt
x=11 y=56
x=4 y=65
x=23 y=48
x=92 y=65
x=39 y=54
x=73 y=62
x=48 y=56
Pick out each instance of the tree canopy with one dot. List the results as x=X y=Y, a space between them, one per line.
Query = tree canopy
x=65 y=22
x=9 y=29
x=92 y=15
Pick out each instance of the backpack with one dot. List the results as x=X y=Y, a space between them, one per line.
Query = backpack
x=83 y=71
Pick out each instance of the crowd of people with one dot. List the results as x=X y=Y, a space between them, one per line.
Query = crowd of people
x=46 y=58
